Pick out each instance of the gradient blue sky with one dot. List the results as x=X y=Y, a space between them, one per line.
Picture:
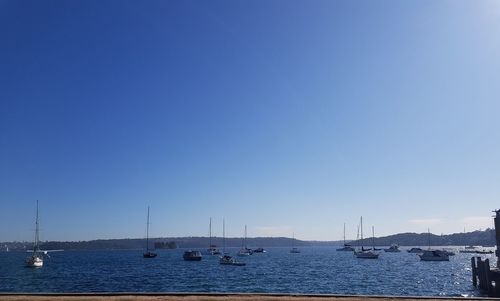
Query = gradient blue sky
x=288 y=116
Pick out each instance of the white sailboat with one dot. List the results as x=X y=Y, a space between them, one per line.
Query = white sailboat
x=148 y=253
x=294 y=249
x=36 y=259
x=212 y=249
x=227 y=259
x=346 y=247
x=373 y=240
x=244 y=250
x=467 y=248
x=362 y=253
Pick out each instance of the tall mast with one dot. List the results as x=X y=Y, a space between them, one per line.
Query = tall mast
x=37 y=238
x=223 y=236
x=210 y=233
x=344 y=234
x=245 y=236
x=465 y=243
x=373 y=237
x=361 y=232
x=429 y=237
x=147 y=232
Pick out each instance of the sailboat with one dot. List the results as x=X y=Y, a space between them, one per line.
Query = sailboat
x=294 y=249
x=148 y=253
x=227 y=259
x=363 y=253
x=433 y=255
x=212 y=249
x=373 y=240
x=346 y=247
x=468 y=249
x=36 y=259
x=244 y=250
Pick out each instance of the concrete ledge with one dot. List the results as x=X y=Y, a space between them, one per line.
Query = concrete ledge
x=213 y=297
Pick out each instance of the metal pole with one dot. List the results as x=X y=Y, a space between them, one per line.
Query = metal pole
x=497 y=236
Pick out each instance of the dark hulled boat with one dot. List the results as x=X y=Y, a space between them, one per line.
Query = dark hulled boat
x=192 y=255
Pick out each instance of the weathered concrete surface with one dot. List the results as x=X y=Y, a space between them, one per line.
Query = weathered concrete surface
x=213 y=297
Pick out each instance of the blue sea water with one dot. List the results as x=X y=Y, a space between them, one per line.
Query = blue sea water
x=316 y=270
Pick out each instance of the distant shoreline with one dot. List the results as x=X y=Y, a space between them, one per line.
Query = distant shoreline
x=484 y=238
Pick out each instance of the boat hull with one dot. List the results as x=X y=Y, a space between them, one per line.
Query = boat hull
x=366 y=255
x=228 y=260
x=437 y=255
x=188 y=258
x=346 y=249
x=34 y=262
x=434 y=258
x=192 y=256
x=149 y=255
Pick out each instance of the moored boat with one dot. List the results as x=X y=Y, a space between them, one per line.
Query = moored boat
x=363 y=253
x=366 y=254
x=192 y=255
x=346 y=247
x=393 y=248
x=244 y=251
x=484 y=251
x=434 y=255
x=259 y=250
x=148 y=253
x=36 y=259
x=415 y=250
x=226 y=259
x=294 y=250
x=212 y=249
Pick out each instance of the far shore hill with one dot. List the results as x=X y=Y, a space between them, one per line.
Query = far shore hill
x=476 y=238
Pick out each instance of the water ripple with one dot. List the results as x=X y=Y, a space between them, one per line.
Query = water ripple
x=315 y=270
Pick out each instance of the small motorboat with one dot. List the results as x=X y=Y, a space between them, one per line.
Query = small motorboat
x=192 y=255
x=259 y=250
x=294 y=250
x=393 y=249
x=228 y=260
x=434 y=255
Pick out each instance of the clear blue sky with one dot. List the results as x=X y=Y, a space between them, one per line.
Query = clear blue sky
x=288 y=116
